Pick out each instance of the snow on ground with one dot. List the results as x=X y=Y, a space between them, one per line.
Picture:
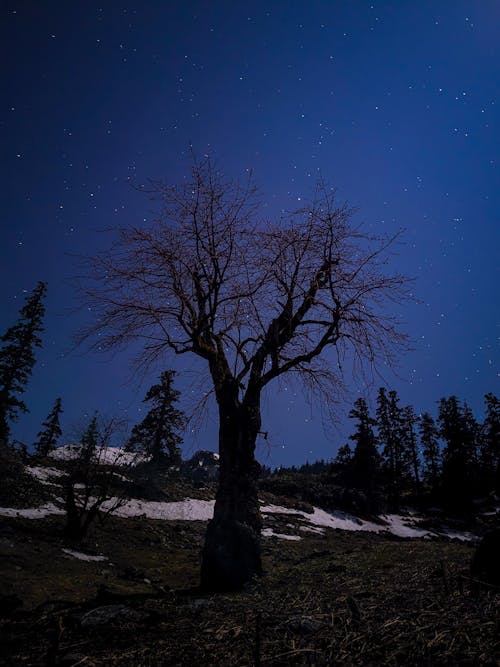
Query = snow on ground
x=43 y=474
x=398 y=525
x=402 y=526
x=320 y=517
x=116 y=456
x=190 y=509
x=456 y=535
x=269 y=532
x=183 y=510
x=32 y=512
x=81 y=556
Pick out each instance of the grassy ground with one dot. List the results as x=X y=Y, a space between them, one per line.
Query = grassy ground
x=338 y=599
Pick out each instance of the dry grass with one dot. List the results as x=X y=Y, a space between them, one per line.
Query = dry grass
x=339 y=599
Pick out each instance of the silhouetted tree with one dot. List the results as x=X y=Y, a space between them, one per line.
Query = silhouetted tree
x=409 y=421
x=342 y=463
x=457 y=474
x=490 y=444
x=254 y=301
x=49 y=435
x=17 y=357
x=344 y=456
x=92 y=488
x=429 y=442
x=157 y=435
x=394 y=457
x=365 y=460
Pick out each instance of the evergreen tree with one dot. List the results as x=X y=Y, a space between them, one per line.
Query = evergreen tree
x=17 y=358
x=394 y=457
x=48 y=436
x=490 y=444
x=365 y=460
x=89 y=443
x=430 y=449
x=344 y=456
x=458 y=454
x=410 y=445
x=157 y=435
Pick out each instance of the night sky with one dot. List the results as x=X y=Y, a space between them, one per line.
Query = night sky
x=394 y=103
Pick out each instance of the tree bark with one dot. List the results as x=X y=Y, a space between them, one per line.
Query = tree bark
x=231 y=554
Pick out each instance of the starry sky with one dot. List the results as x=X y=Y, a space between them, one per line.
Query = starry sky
x=395 y=103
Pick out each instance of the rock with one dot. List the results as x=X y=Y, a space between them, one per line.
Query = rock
x=106 y=614
x=201 y=603
x=485 y=565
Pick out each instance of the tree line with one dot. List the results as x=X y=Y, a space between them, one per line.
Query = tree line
x=397 y=455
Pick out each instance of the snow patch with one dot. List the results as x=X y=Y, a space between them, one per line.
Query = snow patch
x=319 y=517
x=190 y=509
x=81 y=556
x=316 y=530
x=43 y=474
x=402 y=526
x=32 y=512
x=397 y=526
x=112 y=456
x=269 y=532
x=183 y=510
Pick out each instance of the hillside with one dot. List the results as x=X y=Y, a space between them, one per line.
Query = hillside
x=338 y=589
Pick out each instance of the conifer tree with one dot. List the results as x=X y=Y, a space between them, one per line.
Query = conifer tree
x=344 y=456
x=17 y=357
x=490 y=444
x=458 y=454
x=430 y=449
x=410 y=445
x=48 y=436
x=157 y=435
x=343 y=462
x=394 y=458
x=89 y=442
x=365 y=460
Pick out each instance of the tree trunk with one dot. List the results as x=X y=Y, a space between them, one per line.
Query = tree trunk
x=231 y=554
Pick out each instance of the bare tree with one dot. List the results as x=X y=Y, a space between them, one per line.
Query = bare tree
x=255 y=301
x=92 y=487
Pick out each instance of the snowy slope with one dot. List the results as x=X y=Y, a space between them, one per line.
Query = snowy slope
x=115 y=456
x=190 y=509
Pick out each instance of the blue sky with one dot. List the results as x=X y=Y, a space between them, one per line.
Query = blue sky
x=394 y=103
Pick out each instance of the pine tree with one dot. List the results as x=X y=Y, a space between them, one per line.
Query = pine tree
x=490 y=444
x=344 y=456
x=17 y=358
x=157 y=435
x=48 y=436
x=365 y=460
x=458 y=454
x=430 y=449
x=342 y=463
x=394 y=457
x=409 y=444
x=89 y=443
